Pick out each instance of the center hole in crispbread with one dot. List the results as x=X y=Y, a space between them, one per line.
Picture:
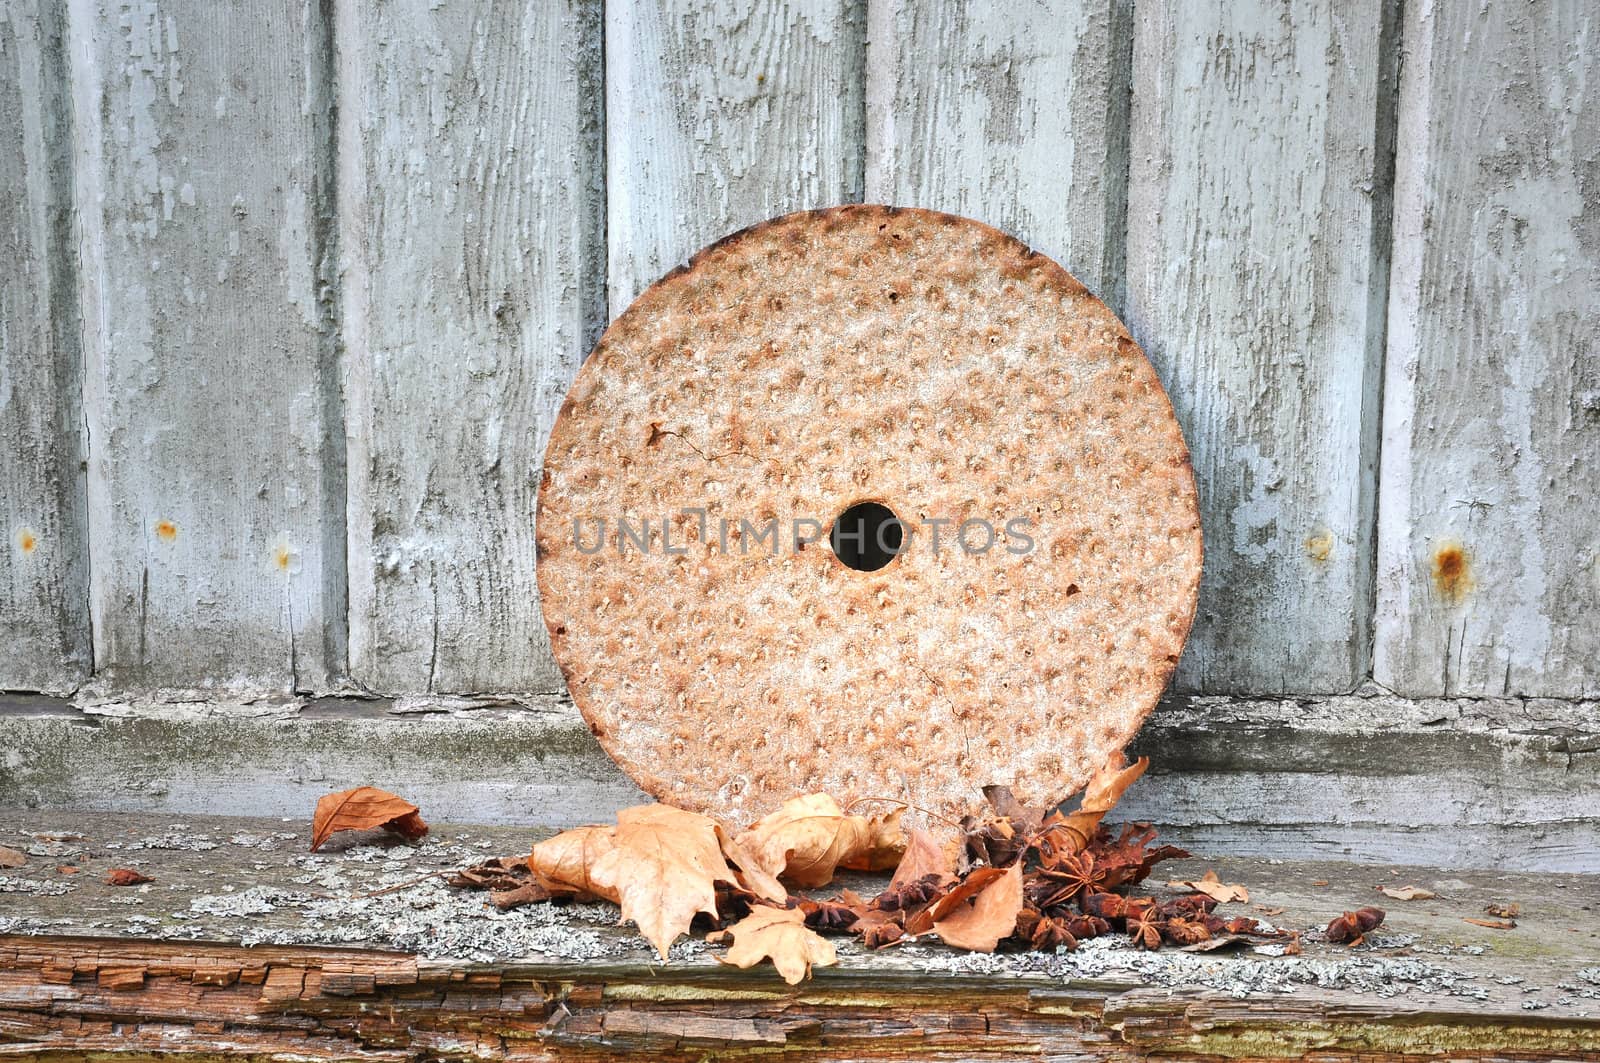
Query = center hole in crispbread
x=867 y=536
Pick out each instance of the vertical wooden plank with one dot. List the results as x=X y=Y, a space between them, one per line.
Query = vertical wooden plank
x=215 y=456
x=472 y=183
x=1488 y=550
x=1014 y=114
x=1257 y=234
x=721 y=115
x=44 y=593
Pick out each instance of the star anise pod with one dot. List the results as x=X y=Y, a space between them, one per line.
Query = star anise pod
x=1351 y=927
x=1104 y=905
x=1051 y=934
x=1188 y=906
x=828 y=915
x=1086 y=926
x=878 y=929
x=1073 y=874
x=909 y=895
x=1184 y=932
x=1145 y=930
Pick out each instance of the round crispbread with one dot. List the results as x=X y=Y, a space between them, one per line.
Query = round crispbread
x=815 y=361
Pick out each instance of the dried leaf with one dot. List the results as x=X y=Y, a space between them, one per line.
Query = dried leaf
x=1268 y=910
x=752 y=876
x=1493 y=924
x=779 y=935
x=1503 y=911
x=991 y=915
x=886 y=844
x=1105 y=789
x=67 y=869
x=1227 y=942
x=1213 y=887
x=11 y=857
x=1351 y=927
x=923 y=857
x=663 y=868
x=364 y=808
x=563 y=864
x=126 y=876
x=498 y=873
x=805 y=840
x=527 y=893
x=1407 y=893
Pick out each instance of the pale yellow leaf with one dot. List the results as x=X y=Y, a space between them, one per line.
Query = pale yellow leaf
x=979 y=925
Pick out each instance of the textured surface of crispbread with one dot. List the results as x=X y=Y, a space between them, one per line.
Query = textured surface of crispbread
x=814 y=361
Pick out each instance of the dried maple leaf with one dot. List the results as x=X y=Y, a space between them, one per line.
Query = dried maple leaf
x=563 y=864
x=1213 y=887
x=991 y=914
x=886 y=844
x=779 y=935
x=1493 y=924
x=806 y=839
x=1351 y=927
x=11 y=857
x=365 y=808
x=126 y=876
x=752 y=876
x=1100 y=796
x=1406 y=893
x=662 y=867
x=924 y=858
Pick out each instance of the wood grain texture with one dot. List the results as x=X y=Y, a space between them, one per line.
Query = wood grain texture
x=472 y=190
x=1488 y=551
x=215 y=462
x=1257 y=235
x=721 y=115
x=44 y=591
x=1014 y=114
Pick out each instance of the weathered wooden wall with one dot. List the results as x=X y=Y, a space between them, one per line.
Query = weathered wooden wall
x=290 y=293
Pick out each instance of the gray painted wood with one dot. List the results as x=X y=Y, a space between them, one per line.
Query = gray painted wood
x=474 y=285
x=1512 y=783
x=1256 y=242
x=720 y=115
x=44 y=591
x=1014 y=114
x=215 y=460
x=1489 y=578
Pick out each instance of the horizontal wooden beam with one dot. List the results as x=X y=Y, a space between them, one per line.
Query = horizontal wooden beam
x=228 y=950
x=1442 y=782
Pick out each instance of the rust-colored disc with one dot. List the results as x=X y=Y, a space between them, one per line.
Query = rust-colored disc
x=913 y=359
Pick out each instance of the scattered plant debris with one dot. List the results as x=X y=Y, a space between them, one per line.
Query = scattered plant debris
x=126 y=876
x=1212 y=887
x=365 y=808
x=1503 y=911
x=1493 y=924
x=12 y=858
x=1406 y=893
x=1019 y=878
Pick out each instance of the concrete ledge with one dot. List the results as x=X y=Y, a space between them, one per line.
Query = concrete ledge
x=1371 y=777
